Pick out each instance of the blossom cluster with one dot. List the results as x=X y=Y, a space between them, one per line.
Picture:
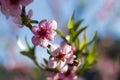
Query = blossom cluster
x=61 y=56
x=65 y=58
x=68 y=75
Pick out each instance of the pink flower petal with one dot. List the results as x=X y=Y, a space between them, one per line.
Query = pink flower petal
x=30 y=13
x=35 y=30
x=52 y=24
x=61 y=64
x=52 y=36
x=15 y=10
x=65 y=47
x=42 y=23
x=52 y=63
x=62 y=67
x=49 y=78
x=54 y=49
x=26 y=2
x=73 y=48
x=35 y=40
x=53 y=77
x=70 y=58
x=4 y=8
x=43 y=42
x=17 y=20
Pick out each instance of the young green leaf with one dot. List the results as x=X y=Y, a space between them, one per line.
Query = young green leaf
x=93 y=39
x=61 y=35
x=95 y=36
x=76 y=25
x=26 y=41
x=71 y=22
x=77 y=43
x=92 y=55
x=34 y=21
x=45 y=61
x=48 y=51
x=83 y=41
x=78 y=32
x=29 y=53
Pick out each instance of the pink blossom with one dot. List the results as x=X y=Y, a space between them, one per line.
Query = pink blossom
x=69 y=75
x=73 y=48
x=4 y=7
x=53 y=76
x=60 y=76
x=44 y=33
x=61 y=57
x=17 y=21
x=13 y=7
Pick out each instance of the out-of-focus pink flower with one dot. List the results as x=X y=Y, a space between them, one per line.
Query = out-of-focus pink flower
x=13 y=7
x=61 y=57
x=53 y=76
x=69 y=75
x=61 y=76
x=17 y=21
x=73 y=48
x=44 y=33
x=110 y=69
x=4 y=7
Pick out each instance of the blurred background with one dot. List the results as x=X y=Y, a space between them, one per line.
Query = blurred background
x=102 y=16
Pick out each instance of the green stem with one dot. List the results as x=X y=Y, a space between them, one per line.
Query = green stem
x=36 y=63
x=34 y=21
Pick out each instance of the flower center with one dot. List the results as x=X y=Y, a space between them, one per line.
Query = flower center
x=43 y=33
x=14 y=2
x=60 y=55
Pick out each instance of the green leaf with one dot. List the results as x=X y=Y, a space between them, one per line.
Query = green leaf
x=71 y=22
x=48 y=51
x=77 y=43
x=78 y=32
x=93 y=49
x=93 y=39
x=76 y=25
x=92 y=55
x=83 y=41
x=29 y=53
x=89 y=60
x=45 y=61
x=95 y=36
x=71 y=27
x=26 y=41
x=34 y=21
x=61 y=35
